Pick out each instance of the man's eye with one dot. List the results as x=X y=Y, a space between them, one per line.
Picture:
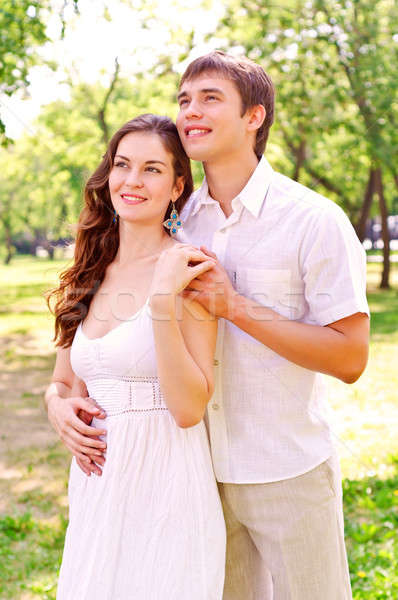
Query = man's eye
x=211 y=97
x=182 y=102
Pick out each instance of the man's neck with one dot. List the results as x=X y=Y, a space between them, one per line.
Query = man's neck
x=227 y=178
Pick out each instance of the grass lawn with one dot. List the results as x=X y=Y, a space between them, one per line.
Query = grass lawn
x=34 y=466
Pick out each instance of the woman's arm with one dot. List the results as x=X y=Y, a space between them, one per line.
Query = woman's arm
x=63 y=408
x=184 y=342
x=185 y=357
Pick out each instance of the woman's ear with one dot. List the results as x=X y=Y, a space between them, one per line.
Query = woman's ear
x=178 y=187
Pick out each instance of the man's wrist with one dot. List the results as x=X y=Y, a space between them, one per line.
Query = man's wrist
x=236 y=306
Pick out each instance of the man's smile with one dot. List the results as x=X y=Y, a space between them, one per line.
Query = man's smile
x=192 y=131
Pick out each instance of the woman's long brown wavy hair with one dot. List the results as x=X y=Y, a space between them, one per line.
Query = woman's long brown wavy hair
x=97 y=239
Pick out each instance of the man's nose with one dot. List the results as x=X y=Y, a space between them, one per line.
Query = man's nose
x=193 y=111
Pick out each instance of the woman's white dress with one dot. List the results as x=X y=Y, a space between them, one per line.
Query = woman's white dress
x=151 y=527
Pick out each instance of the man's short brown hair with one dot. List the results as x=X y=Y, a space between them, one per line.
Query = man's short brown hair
x=253 y=84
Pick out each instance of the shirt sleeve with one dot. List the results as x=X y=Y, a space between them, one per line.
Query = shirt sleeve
x=334 y=268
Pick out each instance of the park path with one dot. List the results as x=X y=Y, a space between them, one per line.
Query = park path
x=28 y=444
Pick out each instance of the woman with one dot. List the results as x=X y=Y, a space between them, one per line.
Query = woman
x=151 y=526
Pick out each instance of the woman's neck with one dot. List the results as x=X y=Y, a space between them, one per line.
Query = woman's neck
x=138 y=242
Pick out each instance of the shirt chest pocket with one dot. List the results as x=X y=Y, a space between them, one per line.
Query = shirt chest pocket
x=269 y=287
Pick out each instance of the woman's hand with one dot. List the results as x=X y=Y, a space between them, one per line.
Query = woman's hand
x=175 y=269
x=70 y=418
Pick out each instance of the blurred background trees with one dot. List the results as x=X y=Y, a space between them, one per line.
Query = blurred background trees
x=334 y=68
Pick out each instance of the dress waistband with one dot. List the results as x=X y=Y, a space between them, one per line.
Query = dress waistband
x=125 y=393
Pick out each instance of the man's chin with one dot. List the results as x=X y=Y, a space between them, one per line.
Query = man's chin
x=200 y=155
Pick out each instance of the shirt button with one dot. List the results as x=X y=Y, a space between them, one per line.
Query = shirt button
x=215 y=406
x=215 y=362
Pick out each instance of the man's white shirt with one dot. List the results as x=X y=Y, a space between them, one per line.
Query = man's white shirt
x=295 y=251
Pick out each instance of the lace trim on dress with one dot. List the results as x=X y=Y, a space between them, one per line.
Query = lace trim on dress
x=119 y=394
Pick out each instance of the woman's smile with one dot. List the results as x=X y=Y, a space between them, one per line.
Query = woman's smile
x=132 y=199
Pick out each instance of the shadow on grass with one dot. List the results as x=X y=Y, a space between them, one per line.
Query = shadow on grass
x=33 y=529
x=371 y=521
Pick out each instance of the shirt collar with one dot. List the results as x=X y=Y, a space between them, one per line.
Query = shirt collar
x=253 y=194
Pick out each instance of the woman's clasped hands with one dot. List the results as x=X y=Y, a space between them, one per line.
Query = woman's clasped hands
x=176 y=267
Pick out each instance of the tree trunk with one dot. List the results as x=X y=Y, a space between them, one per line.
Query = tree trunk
x=45 y=243
x=9 y=248
x=378 y=182
x=367 y=203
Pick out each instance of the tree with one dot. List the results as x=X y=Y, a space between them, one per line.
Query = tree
x=23 y=29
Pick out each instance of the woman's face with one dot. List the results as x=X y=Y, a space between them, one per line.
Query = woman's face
x=141 y=182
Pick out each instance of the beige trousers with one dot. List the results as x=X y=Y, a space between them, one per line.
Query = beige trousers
x=285 y=539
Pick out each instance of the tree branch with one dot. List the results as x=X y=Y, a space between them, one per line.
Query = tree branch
x=102 y=111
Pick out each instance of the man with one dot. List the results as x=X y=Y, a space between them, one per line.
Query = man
x=289 y=290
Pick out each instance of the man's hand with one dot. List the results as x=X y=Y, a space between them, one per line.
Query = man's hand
x=213 y=290
x=89 y=466
x=70 y=418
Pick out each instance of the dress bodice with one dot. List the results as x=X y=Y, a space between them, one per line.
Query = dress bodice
x=119 y=368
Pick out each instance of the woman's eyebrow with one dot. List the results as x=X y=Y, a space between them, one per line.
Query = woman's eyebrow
x=147 y=162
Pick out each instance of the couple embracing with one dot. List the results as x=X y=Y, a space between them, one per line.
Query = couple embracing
x=192 y=330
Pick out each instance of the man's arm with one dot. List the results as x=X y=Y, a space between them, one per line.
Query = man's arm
x=339 y=349
x=63 y=409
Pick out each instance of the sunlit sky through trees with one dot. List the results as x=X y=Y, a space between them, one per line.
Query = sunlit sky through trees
x=135 y=32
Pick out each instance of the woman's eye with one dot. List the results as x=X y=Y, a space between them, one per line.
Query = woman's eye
x=182 y=102
x=152 y=170
x=120 y=164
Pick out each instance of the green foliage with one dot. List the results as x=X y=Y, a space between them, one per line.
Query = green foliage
x=371 y=521
x=333 y=64
x=22 y=28
x=30 y=552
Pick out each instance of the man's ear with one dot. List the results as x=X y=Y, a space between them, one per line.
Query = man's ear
x=256 y=115
x=178 y=187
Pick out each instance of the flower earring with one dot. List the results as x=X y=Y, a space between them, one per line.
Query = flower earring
x=173 y=222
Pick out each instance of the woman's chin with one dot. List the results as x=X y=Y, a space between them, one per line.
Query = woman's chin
x=126 y=218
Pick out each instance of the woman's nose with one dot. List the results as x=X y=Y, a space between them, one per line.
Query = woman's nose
x=134 y=179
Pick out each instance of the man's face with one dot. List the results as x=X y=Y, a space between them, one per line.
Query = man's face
x=209 y=122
